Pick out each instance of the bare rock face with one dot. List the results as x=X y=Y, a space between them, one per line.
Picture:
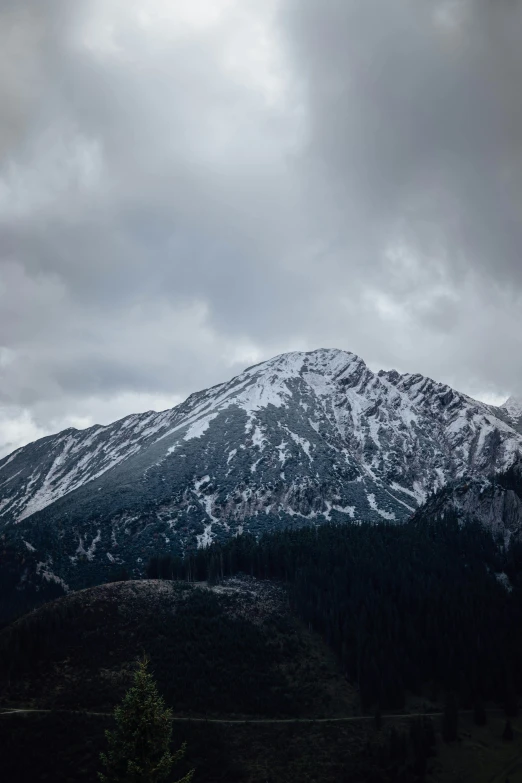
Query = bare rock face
x=495 y=502
x=303 y=438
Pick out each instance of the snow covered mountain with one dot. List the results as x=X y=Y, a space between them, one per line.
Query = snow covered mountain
x=302 y=438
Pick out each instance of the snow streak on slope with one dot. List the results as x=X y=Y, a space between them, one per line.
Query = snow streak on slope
x=42 y=472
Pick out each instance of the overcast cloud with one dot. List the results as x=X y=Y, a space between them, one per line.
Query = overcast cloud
x=190 y=186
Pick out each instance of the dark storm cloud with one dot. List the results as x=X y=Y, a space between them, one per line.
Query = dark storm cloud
x=416 y=119
x=186 y=188
x=184 y=192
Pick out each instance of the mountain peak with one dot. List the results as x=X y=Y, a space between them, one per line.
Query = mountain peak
x=327 y=361
x=513 y=406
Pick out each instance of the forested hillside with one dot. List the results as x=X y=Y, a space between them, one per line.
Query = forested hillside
x=403 y=607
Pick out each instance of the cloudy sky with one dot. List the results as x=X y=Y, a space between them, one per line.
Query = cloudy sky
x=190 y=186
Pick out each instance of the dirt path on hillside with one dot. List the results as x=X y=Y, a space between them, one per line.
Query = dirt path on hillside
x=181 y=719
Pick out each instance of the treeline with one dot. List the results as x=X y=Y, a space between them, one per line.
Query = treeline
x=17 y=594
x=402 y=606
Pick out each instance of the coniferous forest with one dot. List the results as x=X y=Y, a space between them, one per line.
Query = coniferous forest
x=421 y=607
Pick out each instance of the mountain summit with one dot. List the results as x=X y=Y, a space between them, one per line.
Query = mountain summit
x=302 y=438
x=513 y=407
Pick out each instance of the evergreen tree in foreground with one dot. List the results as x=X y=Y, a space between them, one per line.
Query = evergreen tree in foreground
x=139 y=748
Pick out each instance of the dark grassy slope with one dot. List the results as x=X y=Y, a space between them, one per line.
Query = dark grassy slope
x=233 y=651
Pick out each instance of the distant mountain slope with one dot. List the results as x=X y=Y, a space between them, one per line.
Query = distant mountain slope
x=512 y=410
x=302 y=438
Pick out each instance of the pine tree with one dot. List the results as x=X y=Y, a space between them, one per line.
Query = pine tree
x=508 y=732
x=510 y=695
x=153 y=567
x=450 y=718
x=479 y=713
x=139 y=748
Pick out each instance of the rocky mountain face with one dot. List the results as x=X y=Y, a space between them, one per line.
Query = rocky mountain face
x=303 y=438
x=495 y=502
x=512 y=409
